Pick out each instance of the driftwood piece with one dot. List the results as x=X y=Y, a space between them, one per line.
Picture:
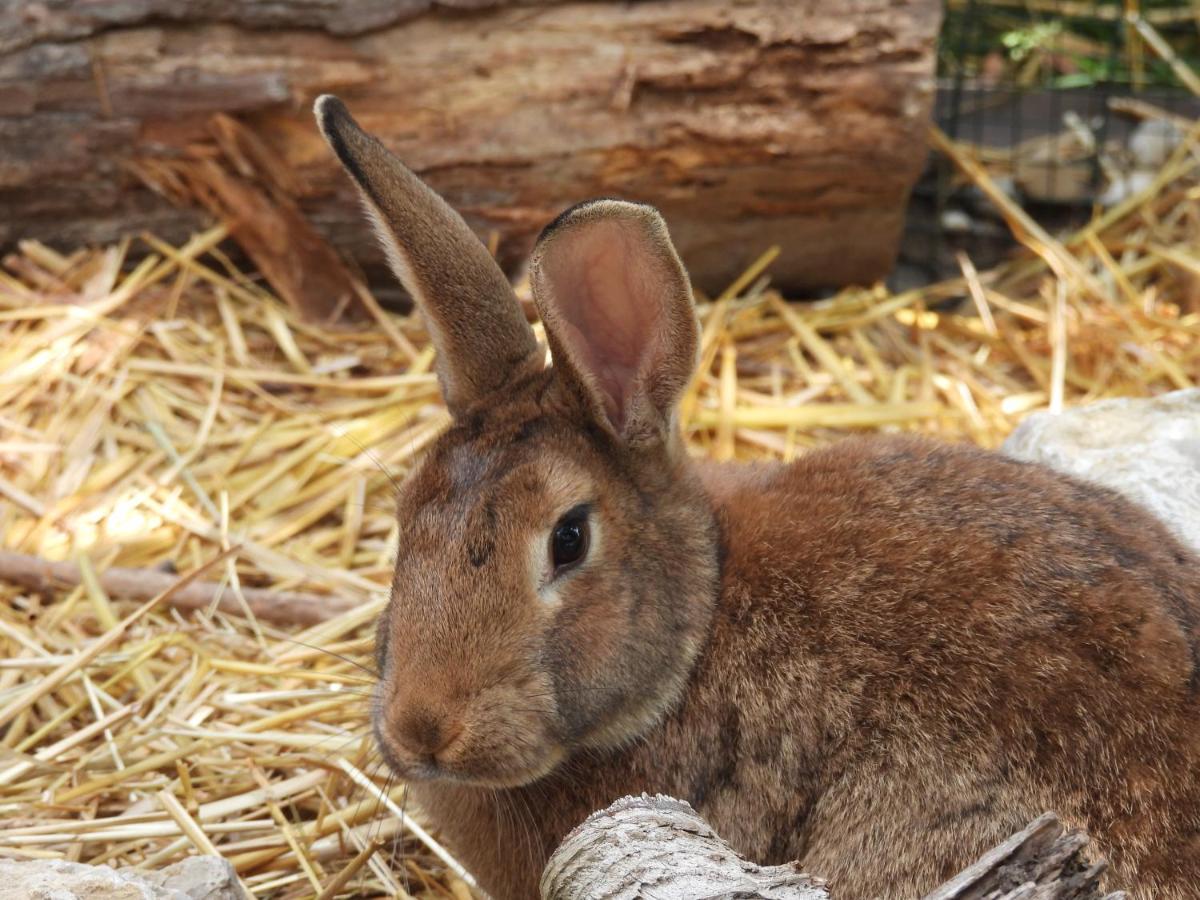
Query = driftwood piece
x=660 y=847
x=280 y=607
x=1041 y=862
x=797 y=122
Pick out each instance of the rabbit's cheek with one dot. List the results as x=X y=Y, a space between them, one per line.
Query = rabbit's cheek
x=598 y=629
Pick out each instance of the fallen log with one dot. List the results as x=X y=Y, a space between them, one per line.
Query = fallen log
x=798 y=123
x=660 y=847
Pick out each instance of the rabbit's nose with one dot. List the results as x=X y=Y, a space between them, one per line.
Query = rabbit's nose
x=425 y=733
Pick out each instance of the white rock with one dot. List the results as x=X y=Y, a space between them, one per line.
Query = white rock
x=1147 y=449
x=955 y=220
x=1127 y=185
x=195 y=878
x=1153 y=141
x=198 y=878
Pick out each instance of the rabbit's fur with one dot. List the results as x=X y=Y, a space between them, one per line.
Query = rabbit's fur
x=879 y=660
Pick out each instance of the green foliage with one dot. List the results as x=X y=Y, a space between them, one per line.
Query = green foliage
x=1023 y=41
x=1063 y=43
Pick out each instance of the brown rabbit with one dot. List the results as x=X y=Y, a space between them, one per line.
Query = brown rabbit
x=879 y=660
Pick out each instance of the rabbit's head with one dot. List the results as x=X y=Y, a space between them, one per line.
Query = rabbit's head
x=557 y=564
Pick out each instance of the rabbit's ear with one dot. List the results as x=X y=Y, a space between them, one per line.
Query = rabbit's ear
x=619 y=315
x=473 y=317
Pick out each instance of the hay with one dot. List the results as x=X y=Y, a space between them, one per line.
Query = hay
x=174 y=417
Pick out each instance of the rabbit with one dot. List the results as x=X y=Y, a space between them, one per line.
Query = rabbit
x=879 y=660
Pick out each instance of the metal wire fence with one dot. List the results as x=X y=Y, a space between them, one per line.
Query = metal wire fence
x=1070 y=103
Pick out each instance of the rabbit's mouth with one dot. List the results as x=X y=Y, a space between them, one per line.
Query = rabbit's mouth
x=488 y=741
x=498 y=778
x=497 y=764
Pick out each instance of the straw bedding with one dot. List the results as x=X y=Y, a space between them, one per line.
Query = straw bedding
x=172 y=416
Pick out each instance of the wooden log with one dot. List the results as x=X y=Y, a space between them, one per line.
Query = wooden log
x=660 y=847
x=796 y=122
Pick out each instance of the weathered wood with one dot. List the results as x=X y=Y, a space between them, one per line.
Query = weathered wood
x=257 y=198
x=660 y=847
x=795 y=122
x=282 y=607
x=1043 y=861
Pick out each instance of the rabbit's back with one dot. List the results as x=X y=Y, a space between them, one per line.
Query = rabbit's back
x=956 y=642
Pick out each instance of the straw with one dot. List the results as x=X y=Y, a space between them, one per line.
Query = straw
x=169 y=415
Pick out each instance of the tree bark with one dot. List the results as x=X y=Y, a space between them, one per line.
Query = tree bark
x=656 y=846
x=791 y=122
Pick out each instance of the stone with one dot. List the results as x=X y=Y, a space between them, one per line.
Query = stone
x=1153 y=142
x=195 y=878
x=1147 y=449
x=198 y=878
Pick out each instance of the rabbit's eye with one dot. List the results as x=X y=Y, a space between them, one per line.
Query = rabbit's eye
x=569 y=540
